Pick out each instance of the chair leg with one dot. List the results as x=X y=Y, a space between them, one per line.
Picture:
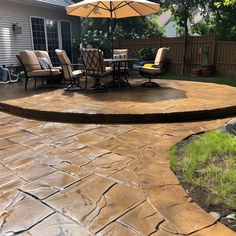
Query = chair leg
x=86 y=83
x=35 y=82
x=150 y=84
x=26 y=83
x=73 y=86
x=98 y=87
x=127 y=81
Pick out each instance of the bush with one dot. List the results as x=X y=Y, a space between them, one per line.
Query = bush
x=146 y=54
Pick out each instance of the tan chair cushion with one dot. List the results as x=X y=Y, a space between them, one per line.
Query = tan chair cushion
x=108 y=69
x=65 y=64
x=121 y=52
x=77 y=72
x=57 y=67
x=160 y=56
x=44 y=73
x=150 y=70
x=44 y=54
x=30 y=60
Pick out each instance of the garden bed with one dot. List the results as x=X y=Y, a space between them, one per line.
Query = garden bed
x=206 y=167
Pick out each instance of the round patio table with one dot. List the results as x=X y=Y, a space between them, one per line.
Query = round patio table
x=120 y=66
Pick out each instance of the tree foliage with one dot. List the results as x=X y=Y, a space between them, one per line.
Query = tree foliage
x=225 y=3
x=219 y=19
x=182 y=12
x=97 y=32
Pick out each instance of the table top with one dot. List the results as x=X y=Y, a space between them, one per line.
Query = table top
x=120 y=59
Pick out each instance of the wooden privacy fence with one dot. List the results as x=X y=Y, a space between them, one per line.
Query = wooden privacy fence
x=221 y=54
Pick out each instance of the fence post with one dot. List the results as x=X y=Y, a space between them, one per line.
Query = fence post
x=214 y=49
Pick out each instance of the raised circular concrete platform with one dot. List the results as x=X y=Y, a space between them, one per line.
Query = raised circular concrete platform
x=174 y=101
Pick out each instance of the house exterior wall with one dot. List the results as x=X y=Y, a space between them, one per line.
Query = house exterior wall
x=11 y=12
x=170 y=30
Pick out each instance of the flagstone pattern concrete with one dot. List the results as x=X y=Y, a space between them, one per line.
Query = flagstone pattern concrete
x=173 y=101
x=74 y=179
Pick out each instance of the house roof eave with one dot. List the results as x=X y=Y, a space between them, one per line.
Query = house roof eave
x=41 y=3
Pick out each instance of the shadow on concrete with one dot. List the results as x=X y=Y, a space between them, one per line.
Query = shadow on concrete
x=137 y=94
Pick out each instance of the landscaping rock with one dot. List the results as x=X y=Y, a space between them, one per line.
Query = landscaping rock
x=216 y=215
x=229 y=128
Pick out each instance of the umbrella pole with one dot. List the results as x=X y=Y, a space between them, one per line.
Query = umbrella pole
x=112 y=41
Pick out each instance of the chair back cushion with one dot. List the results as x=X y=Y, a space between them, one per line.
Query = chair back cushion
x=65 y=64
x=93 y=61
x=123 y=52
x=30 y=60
x=161 y=56
x=44 y=54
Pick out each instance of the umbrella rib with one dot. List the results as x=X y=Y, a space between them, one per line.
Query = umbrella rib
x=92 y=9
x=147 y=6
x=119 y=5
x=133 y=8
x=106 y=8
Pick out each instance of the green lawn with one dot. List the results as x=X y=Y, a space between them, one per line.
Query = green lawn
x=218 y=80
x=210 y=163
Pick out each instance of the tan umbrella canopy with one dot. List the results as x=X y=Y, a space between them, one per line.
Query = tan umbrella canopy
x=112 y=8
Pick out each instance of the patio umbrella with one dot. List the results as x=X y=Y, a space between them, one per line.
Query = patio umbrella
x=112 y=9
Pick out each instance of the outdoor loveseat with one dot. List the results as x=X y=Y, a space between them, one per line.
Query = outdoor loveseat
x=34 y=70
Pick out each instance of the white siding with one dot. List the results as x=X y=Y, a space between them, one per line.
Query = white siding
x=10 y=12
x=57 y=2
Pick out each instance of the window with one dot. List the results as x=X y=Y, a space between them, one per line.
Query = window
x=38 y=32
x=66 y=37
x=53 y=39
x=49 y=35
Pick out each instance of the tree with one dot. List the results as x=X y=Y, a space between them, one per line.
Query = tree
x=219 y=19
x=182 y=11
x=96 y=32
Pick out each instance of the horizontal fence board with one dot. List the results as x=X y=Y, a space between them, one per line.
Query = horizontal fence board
x=222 y=54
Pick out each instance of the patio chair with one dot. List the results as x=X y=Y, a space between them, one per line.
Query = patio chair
x=45 y=55
x=122 y=54
x=94 y=66
x=69 y=74
x=150 y=71
x=33 y=69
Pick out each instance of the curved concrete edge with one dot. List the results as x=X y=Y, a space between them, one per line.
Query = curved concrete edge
x=217 y=225
x=98 y=118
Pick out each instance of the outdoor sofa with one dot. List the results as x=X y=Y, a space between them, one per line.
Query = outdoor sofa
x=34 y=70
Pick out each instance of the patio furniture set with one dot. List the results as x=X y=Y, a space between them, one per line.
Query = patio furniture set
x=37 y=64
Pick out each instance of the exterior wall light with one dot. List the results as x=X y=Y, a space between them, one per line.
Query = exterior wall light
x=16 y=29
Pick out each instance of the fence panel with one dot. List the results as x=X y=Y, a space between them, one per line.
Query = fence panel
x=221 y=54
x=226 y=58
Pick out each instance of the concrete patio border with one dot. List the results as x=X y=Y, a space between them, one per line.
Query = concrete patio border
x=87 y=118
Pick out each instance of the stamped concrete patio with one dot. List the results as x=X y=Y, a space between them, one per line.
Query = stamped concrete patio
x=96 y=179
x=173 y=101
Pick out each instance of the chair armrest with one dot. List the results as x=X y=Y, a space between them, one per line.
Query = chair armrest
x=76 y=64
x=149 y=62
